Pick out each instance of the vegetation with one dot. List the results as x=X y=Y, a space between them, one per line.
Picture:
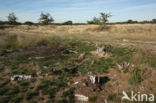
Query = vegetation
x=92 y=99
x=103 y=19
x=68 y=23
x=31 y=94
x=135 y=78
x=46 y=18
x=58 y=63
x=112 y=97
x=12 y=19
x=28 y=23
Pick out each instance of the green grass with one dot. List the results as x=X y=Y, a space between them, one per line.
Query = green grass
x=92 y=99
x=80 y=46
x=102 y=65
x=50 y=87
x=112 y=97
x=135 y=78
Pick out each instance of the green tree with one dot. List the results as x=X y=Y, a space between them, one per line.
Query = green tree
x=96 y=20
x=46 y=18
x=28 y=23
x=12 y=18
x=104 y=17
x=68 y=22
x=154 y=20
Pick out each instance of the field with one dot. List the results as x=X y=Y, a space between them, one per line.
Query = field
x=61 y=59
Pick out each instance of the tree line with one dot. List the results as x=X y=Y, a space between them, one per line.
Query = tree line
x=46 y=18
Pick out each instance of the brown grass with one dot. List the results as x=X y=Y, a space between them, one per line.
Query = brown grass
x=118 y=31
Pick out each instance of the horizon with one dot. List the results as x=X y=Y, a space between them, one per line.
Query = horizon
x=79 y=11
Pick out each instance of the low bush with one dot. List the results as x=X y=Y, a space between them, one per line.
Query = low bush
x=17 y=99
x=92 y=99
x=31 y=94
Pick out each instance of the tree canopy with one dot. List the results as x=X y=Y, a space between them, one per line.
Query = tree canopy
x=12 y=19
x=46 y=18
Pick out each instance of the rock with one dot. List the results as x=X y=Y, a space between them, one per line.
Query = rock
x=92 y=79
x=98 y=79
x=39 y=72
x=20 y=77
x=39 y=58
x=106 y=101
x=81 y=97
x=85 y=84
x=76 y=83
x=45 y=67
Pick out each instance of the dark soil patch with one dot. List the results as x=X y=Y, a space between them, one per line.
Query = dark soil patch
x=40 y=51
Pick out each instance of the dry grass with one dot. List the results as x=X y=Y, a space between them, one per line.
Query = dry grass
x=118 y=31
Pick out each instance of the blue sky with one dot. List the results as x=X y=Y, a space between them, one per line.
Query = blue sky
x=79 y=10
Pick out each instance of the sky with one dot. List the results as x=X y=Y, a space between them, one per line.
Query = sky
x=79 y=10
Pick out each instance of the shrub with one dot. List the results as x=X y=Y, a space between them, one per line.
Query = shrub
x=24 y=83
x=68 y=23
x=42 y=42
x=4 y=83
x=31 y=94
x=17 y=99
x=60 y=83
x=102 y=65
x=69 y=93
x=32 y=72
x=62 y=101
x=135 y=78
x=28 y=23
x=45 y=84
x=5 y=99
x=13 y=91
x=92 y=99
x=48 y=91
x=112 y=97
x=3 y=90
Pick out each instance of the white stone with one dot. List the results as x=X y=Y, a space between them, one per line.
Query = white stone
x=76 y=83
x=92 y=79
x=20 y=77
x=81 y=97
